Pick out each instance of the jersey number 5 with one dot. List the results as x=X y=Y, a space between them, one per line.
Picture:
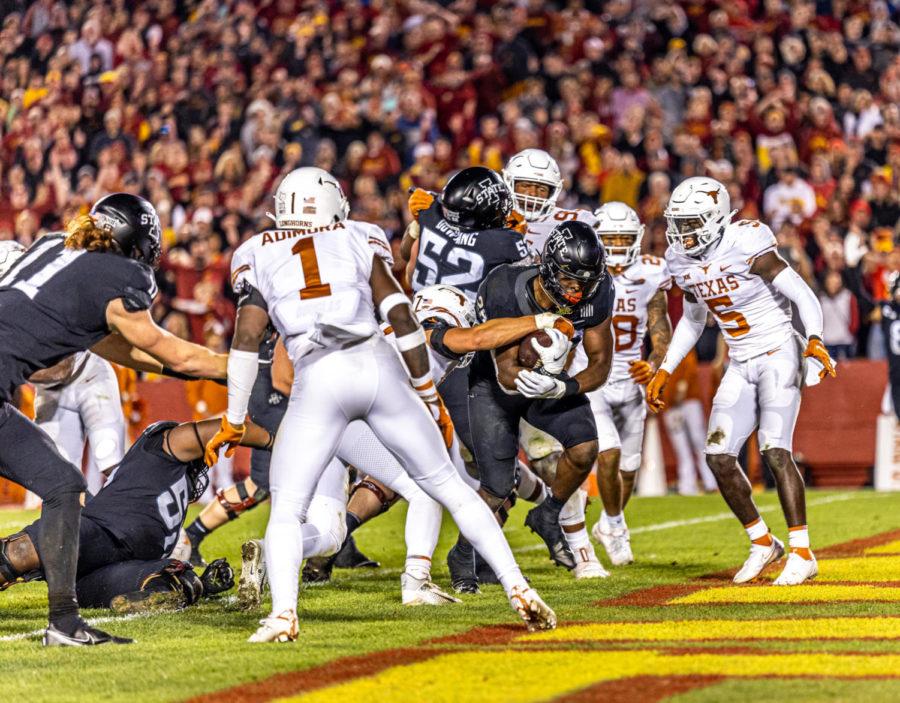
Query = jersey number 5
x=723 y=301
x=306 y=250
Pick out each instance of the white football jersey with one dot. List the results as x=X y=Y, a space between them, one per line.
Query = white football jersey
x=753 y=316
x=634 y=287
x=440 y=365
x=539 y=230
x=315 y=282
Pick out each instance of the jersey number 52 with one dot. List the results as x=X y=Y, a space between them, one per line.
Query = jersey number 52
x=434 y=257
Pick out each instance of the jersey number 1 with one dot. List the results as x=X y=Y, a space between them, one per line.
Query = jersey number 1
x=306 y=250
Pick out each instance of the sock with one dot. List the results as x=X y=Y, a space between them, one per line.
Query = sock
x=464 y=546
x=196 y=532
x=353 y=522
x=423 y=524
x=758 y=532
x=418 y=567
x=577 y=540
x=616 y=522
x=530 y=487
x=798 y=539
x=57 y=545
x=553 y=504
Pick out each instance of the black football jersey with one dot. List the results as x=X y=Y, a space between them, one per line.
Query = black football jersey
x=144 y=503
x=452 y=257
x=53 y=303
x=890 y=322
x=508 y=292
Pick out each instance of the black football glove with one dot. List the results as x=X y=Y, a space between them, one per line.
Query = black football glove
x=217 y=578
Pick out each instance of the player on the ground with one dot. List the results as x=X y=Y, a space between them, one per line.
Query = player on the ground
x=733 y=270
x=129 y=528
x=91 y=289
x=571 y=281
x=640 y=308
x=344 y=370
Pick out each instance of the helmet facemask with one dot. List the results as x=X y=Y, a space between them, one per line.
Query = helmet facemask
x=622 y=248
x=534 y=207
x=552 y=276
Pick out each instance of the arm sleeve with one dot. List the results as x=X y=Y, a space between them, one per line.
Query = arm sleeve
x=687 y=332
x=792 y=287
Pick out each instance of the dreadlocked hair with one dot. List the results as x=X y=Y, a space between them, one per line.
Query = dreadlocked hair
x=83 y=232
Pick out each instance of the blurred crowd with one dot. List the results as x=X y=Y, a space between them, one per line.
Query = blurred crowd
x=203 y=106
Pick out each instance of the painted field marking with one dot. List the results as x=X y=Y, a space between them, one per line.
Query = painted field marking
x=861 y=569
x=516 y=676
x=835 y=628
x=889 y=548
x=805 y=593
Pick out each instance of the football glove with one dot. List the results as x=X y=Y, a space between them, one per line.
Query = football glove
x=418 y=201
x=640 y=371
x=435 y=404
x=217 y=578
x=817 y=350
x=532 y=384
x=553 y=358
x=654 y=388
x=516 y=222
x=550 y=320
x=228 y=436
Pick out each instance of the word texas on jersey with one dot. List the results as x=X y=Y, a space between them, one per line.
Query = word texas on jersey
x=315 y=282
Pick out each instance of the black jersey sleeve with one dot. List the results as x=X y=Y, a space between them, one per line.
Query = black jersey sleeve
x=438 y=329
x=140 y=290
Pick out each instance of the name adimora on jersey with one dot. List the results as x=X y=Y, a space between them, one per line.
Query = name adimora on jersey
x=270 y=236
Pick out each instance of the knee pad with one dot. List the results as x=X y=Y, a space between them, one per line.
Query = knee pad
x=245 y=500
x=106 y=448
x=572 y=512
x=377 y=490
x=329 y=516
x=19 y=561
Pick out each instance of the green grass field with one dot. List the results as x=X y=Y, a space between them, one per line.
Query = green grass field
x=477 y=651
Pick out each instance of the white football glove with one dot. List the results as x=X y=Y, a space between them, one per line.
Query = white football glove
x=553 y=358
x=532 y=384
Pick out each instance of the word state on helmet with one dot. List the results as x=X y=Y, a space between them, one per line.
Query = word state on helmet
x=133 y=223
x=309 y=197
x=699 y=209
x=475 y=199
x=621 y=232
x=574 y=253
x=533 y=166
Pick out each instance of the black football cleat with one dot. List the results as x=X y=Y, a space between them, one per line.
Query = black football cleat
x=349 y=557
x=546 y=526
x=82 y=636
x=318 y=570
x=484 y=572
x=462 y=571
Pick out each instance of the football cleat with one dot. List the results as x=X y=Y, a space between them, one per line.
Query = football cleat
x=349 y=557
x=318 y=569
x=415 y=591
x=546 y=526
x=277 y=628
x=82 y=636
x=253 y=574
x=587 y=566
x=535 y=613
x=797 y=570
x=760 y=557
x=616 y=542
x=462 y=571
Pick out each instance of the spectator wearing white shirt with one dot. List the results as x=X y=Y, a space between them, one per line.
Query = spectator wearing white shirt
x=790 y=199
x=840 y=316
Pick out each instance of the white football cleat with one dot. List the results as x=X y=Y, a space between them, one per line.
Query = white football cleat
x=253 y=574
x=587 y=566
x=535 y=613
x=416 y=591
x=797 y=570
x=277 y=628
x=760 y=557
x=616 y=542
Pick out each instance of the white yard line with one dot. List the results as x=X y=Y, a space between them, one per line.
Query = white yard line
x=92 y=621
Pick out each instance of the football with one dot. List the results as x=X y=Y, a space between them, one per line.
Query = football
x=528 y=357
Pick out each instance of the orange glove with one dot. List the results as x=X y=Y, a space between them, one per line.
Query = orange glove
x=640 y=371
x=517 y=222
x=654 y=388
x=442 y=418
x=228 y=436
x=418 y=201
x=817 y=351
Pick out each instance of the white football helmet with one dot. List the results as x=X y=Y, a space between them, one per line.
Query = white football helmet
x=10 y=252
x=309 y=197
x=699 y=208
x=534 y=166
x=448 y=304
x=618 y=220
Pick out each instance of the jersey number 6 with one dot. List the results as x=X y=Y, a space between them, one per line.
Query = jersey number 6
x=306 y=249
x=723 y=301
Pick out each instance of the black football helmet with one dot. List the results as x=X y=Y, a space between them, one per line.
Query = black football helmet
x=133 y=223
x=476 y=198
x=573 y=251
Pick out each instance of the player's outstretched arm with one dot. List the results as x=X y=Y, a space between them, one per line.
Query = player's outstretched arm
x=139 y=330
x=598 y=345
x=501 y=331
x=186 y=443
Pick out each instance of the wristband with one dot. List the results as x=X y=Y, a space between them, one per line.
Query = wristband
x=410 y=341
x=572 y=387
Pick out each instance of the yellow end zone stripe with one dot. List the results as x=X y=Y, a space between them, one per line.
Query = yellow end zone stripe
x=521 y=676
x=889 y=548
x=830 y=593
x=795 y=628
x=862 y=569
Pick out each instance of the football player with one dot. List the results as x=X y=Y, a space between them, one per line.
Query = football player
x=570 y=281
x=130 y=527
x=90 y=289
x=640 y=307
x=733 y=270
x=344 y=370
